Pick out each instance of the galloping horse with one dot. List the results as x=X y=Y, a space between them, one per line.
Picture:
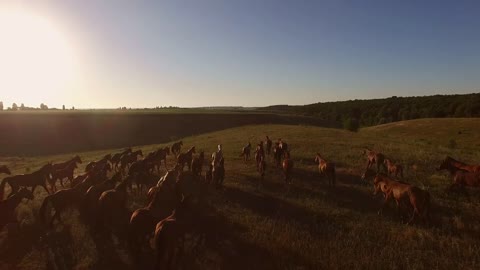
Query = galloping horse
x=259 y=154
x=162 y=156
x=268 y=145
x=63 y=199
x=176 y=147
x=32 y=180
x=7 y=207
x=403 y=193
x=59 y=166
x=112 y=208
x=115 y=160
x=129 y=159
x=261 y=167
x=287 y=166
x=197 y=163
x=60 y=174
x=4 y=169
x=394 y=169
x=218 y=172
x=374 y=157
x=453 y=166
x=94 y=164
x=186 y=158
x=246 y=152
x=278 y=153
x=326 y=169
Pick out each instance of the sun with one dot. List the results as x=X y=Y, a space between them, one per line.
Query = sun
x=37 y=63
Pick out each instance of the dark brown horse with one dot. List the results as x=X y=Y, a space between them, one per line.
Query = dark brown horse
x=143 y=220
x=197 y=163
x=7 y=207
x=115 y=160
x=112 y=208
x=59 y=166
x=326 y=169
x=218 y=172
x=162 y=156
x=246 y=152
x=278 y=153
x=261 y=167
x=268 y=144
x=32 y=180
x=259 y=154
x=95 y=164
x=62 y=200
x=453 y=166
x=128 y=159
x=186 y=158
x=176 y=147
x=60 y=174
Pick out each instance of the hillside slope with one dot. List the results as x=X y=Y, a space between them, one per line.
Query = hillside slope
x=314 y=226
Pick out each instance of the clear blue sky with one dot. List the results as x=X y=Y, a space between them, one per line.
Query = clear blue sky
x=262 y=52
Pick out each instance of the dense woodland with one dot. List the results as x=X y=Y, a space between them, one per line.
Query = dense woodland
x=354 y=113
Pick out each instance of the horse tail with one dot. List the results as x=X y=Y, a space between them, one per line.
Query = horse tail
x=43 y=208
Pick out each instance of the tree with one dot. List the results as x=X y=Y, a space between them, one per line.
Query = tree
x=22 y=107
x=351 y=124
x=43 y=107
x=1 y=105
x=14 y=107
x=63 y=107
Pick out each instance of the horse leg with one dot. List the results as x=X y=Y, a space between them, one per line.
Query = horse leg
x=387 y=198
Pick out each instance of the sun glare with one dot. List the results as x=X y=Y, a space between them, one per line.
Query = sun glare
x=36 y=61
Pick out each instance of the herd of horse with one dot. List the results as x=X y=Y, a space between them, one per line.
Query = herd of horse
x=102 y=199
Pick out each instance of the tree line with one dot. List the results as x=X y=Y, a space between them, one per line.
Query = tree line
x=22 y=107
x=356 y=113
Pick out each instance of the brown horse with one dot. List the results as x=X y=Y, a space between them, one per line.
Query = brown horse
x=143 y=220
x=128 y=159
x=62 y=200
x=261 y=167
x=7 y=207
x=393 y=169
x=268 y=144
x=162 y=156
x=287 y=166
x=403 y=193
x=32 y=180
x=218 y=172
x=376 y=158
x=246 y=152
x=59 y=166
x=462 y=179
x=197 y=163
x=259 y=154
x=453 y=166
x=115 y=160
x=186 y=158
x=99 y=163
x=176 y=147
x=60 y=174
x=326 y=169
x=112 y=208
x=141 y=180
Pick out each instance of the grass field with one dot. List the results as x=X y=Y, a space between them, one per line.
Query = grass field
x=312 y=226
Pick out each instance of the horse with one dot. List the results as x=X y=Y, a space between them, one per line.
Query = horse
x=4 y=169
x=60 y=174
x=90 y=198
x=162 y=156
x=259 y=154
x=246 y=152
x=32 y=180
x=143 y=179
x=93 y=164
x=453 y=166
x=278 y=153
x=63 y=199
x=176 y=147
x=261 y=167
x=141 y=166
x=268 y=145
x=143 y=220
x=186 y=158
x=287 y=166
x=59 y=166
x=112 y=208
x=462 y=179
x=393 y=169
x=403 y=193
x=369 y=173
x=283 y=145
x=7 y=207
x=115 y=160
x=326 y=169
x=374 y=157
x=197 y=163
x=129 y=159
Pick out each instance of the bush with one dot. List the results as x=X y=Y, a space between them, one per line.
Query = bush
x=351 y=124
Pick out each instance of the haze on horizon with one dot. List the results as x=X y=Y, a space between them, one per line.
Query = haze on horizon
x=107 y=54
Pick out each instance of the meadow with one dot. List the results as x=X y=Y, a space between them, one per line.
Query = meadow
x=311 y=226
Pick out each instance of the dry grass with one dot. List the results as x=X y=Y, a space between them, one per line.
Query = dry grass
x=313 y=226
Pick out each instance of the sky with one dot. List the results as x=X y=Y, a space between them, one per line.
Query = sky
x=107 y=54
